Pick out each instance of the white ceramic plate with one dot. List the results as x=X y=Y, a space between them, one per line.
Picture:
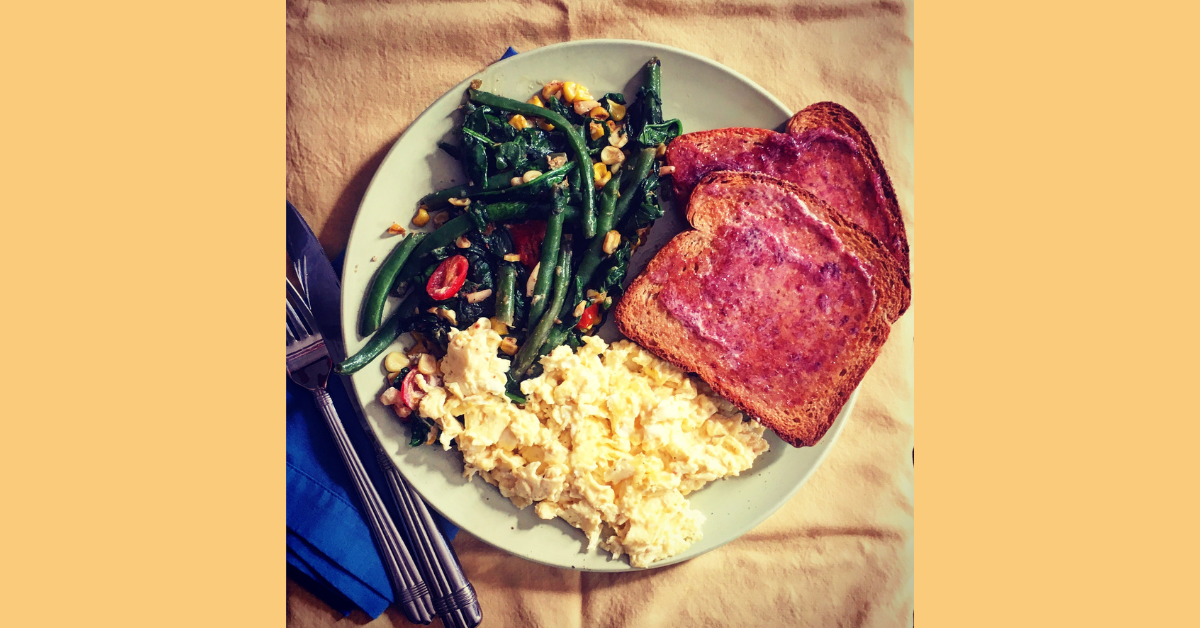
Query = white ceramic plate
x=701 y=93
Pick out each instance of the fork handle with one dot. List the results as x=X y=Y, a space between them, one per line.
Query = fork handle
x=453 y=596
x=412 y=594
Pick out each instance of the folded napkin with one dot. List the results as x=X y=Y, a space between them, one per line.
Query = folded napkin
x=329 y=546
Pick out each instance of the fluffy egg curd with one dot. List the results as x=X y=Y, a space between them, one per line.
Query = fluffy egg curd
x=611 y=438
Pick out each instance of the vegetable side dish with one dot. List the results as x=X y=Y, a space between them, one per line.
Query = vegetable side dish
x=562 y=188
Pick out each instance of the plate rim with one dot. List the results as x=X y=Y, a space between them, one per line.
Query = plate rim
x=349 y=324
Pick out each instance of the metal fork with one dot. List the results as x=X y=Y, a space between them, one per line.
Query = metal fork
x=309 y=364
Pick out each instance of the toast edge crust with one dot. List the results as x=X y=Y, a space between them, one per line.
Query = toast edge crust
x=831 y=115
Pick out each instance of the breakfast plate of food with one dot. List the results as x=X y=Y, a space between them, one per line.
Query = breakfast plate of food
x=609 y=302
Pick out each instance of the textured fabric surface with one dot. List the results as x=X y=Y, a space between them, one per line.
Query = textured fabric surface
x=840 y=552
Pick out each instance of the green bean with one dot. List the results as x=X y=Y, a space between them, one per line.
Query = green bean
x=440 y=199
x=543 y=212
x=508 y=212
x=654 y=76
x=533 y=342
x=573 y=180
x=504 y=294
x=550 y=244
x=557 y=336
x=591 y=259
x=641 y=170
x=528 y=190
x=582 y=160
x=381 y=283
x=385 y=335
x=499 y=192
x=445 y=235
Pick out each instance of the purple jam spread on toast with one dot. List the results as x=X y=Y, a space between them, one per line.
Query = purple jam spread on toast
x=778 y=299
x=827 y=163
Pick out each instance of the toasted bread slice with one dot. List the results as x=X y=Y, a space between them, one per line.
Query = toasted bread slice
x=826 y=151
x=776 y=301
x=842 y=139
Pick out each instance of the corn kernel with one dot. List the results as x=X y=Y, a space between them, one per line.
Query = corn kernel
x=498 y=326
x=602 y=174
x=427 y=364
x=395 y=361
x=515 y=181
x=459 y=202
x=391 y=378
x=551 y=88
x=612 y=126
x=509 y=345
x=617 y=110
x=535 y=101
x=610 y=155
x=512 y=257
x=530 y=175
x=395 y=228
x=570 y=91
x=422 y=217
x=585 y=106
x=518 y=122
x=595 y=131
x=612 y=240
x=440 y=218
x=618 y=139
x=450 y=316
x=583 y=94
x=463 y=242
x=545 y=126
x=598 y=113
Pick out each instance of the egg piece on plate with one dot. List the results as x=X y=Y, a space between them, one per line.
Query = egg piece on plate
x=612 y=439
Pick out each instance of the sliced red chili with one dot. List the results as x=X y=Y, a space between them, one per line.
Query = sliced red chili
x=590 y=316
x=527 y=240
x=447 y=278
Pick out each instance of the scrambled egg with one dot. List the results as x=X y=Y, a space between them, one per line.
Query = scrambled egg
x=611 y=439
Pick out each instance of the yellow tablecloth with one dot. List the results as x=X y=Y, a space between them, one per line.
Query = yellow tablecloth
x=840 y=553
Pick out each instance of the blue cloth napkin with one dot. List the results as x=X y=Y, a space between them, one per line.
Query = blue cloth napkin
x=329 y=546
